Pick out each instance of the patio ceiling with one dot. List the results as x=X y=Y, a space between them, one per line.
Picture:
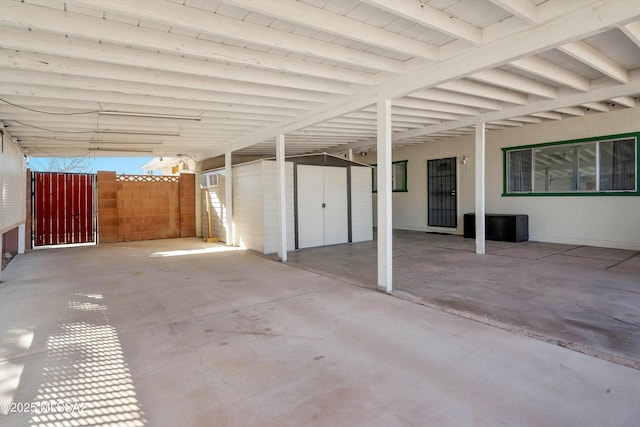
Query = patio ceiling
x=202 y=77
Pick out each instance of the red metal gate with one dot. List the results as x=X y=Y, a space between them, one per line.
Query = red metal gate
x=63 y=208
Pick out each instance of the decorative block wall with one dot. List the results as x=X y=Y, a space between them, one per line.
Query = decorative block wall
x=145 y=207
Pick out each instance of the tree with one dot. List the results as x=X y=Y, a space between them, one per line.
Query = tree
x=63 y=164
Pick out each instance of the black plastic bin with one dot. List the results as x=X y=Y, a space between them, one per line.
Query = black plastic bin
x=503 y=227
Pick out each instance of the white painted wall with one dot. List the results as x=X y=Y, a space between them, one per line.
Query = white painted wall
x=14 y=187
x=609 y=221
x=361 y=218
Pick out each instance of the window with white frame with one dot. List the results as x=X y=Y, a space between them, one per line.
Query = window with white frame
x=398 y=177
x=598 y=165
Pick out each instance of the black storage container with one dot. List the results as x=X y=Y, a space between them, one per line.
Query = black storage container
x=504 y=227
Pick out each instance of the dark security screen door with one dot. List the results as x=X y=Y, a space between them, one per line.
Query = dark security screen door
x=441 y=184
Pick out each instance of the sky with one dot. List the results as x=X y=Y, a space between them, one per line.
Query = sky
x=126 y=165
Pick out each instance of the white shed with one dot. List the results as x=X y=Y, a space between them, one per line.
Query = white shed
x=328 y=202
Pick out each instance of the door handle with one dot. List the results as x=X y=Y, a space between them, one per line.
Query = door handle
x=324 y=205
x=453 y=192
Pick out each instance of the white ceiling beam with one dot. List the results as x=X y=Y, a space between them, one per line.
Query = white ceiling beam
x=627 y=101
x=553 y=72
x=571 y=111
x=507 y=123
x=63 y=101
x=597 y=60
x=86 y=70
x=72 y=24
x=596 y=106
x=457 y=98
x=99 y=121
x=177 y=15
x=414 y=106
x=547 y=12
x=14 y=83
x=549 y=115
x=561 y=104
x=563 y=30
x=516 y=82
x=415 y=102
x=431 y=17
x=632 y=31
x=596 y=95
x=470 y=87
x=552 y=9
x=322 y=20
x=526 y=119
x=413 y=120
x=29 y=41
x=523 y=9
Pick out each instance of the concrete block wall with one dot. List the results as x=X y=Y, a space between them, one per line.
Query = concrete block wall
x=107 y=207
x=132 y=210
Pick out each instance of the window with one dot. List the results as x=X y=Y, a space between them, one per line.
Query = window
x=398 y=177
x=597 y=165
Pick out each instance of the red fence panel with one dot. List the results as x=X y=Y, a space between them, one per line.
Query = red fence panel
x=63 y=208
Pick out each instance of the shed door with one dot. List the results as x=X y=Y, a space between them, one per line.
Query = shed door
x=336 y=221
x=310 y=212
x=62 y=208
x=322 y=206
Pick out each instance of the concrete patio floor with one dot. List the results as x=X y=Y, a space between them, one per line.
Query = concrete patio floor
x=581 y=297
x=183 y=333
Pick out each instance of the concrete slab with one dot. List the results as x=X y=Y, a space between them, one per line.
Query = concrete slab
x=166 y=333
x=534 y=250
x=572 y=301
x=601 y=253
x=632 y=265
x=563 y=258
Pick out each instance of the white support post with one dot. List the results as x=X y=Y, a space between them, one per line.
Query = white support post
x=350 y=154
x=1 y=256
x=282 y=199
x=228 y=197
x=385 y=229
x=480 y=190
x=21 y=237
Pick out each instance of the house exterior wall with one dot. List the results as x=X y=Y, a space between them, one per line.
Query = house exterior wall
x=608 y=221
x=217 y=215
x=14 y=186
x=215 y=198
x=410 y=208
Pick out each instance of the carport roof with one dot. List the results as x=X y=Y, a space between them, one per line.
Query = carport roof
x=200 y=77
